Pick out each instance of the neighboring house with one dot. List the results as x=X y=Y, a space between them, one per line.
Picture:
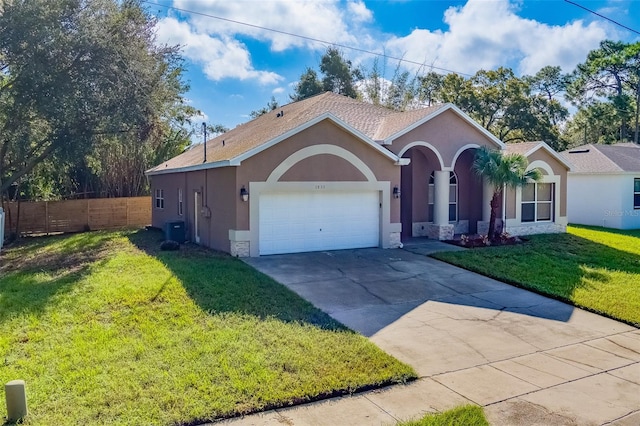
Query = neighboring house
x=604 y=185
x=331 y=172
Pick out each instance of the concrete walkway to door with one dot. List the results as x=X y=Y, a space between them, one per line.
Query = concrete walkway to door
x=527 y=359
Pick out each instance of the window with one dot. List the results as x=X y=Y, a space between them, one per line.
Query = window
x=453 y=196
x=180 y=203
x=159 y=198
x=537 y=202
x=636 y=193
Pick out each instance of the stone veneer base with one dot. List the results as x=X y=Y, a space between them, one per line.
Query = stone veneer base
x=440 y=232
x=394 y=240
x=240 y=249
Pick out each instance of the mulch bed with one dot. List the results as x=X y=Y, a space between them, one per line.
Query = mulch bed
x=474 y=241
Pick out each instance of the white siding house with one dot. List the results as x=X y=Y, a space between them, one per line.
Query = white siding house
x=604 y=185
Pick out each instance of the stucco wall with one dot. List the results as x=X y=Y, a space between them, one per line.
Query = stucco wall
x=559 y=170
x=469 y=190
x=447 y=132
x=216 y=206
x=315 y=169
x=602 y=200
x=321 y=167
x=170 y=184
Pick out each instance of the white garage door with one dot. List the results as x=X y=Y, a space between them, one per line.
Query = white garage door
x=299 y=221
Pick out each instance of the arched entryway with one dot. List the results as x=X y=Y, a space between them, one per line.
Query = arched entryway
x=469 y=189
x=414 y=205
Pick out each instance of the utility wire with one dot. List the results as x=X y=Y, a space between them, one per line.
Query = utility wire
x=603 y=17
x=343 y=46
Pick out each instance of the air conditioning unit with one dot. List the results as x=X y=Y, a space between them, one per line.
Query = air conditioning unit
x=175 y=231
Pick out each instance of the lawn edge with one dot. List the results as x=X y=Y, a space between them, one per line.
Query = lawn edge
x=537 y=291
x=296 y=402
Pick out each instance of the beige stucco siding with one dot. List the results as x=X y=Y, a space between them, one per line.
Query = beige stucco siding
x=216 y=209
x=558 y=169
x=223 y=200
x=447 y=133
x=315 y=169
x=469 y=190
x=318 y=168
x=169 y=184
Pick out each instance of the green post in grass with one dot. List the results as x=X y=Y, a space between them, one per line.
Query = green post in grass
x=16 y=397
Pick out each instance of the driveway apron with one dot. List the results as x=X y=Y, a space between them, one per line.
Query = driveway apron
x=525 y=358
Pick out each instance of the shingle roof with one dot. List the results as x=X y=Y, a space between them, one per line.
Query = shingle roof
x=375 y=122
x=527 y=148
x=520 y=148
x=596 y=158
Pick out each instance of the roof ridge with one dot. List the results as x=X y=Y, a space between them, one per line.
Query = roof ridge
x=595 y=146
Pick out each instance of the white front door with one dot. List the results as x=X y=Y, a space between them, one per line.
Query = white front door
x=292 y=222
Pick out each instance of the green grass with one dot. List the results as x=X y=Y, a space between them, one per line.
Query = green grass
x=466 y=415
x=105 y=329
x=595 y=268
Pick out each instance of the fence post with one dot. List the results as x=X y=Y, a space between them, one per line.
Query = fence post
x=46 y=217
x=1 y=227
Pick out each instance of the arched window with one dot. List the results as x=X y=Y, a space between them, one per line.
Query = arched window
x=453 y=196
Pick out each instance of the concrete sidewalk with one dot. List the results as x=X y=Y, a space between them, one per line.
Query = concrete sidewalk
x=527 y=359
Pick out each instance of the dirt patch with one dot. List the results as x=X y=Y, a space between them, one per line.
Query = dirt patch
x=22 y=256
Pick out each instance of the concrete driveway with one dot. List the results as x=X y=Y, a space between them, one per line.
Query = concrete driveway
x=527 y=359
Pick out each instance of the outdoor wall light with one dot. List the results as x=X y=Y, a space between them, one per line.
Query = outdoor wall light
x=396 y=192
x=244 y=194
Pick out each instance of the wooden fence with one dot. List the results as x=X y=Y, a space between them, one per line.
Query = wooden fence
x=45 y=217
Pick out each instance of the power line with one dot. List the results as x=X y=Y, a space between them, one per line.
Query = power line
x=603 y=17
x=343 y=46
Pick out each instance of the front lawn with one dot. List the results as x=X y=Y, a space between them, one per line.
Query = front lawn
x=105 y=329
x=467 y=415
x=595 y=268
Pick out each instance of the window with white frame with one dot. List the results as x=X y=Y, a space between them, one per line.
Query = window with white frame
x=537 y=202
x=453 y=196
x=159 y=198
x=636 y=193
x=180 y=203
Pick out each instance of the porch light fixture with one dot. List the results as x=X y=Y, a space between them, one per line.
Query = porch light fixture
x=244 y=194
x=396 y=192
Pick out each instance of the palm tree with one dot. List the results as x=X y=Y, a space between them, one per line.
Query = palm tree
x=502 y=170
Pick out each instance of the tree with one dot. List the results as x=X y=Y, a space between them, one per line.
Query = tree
x=75 y=71
x=429 y=87
x=595 y=123
x=505 y=105
x=610 y=72
x=271 y=106
x=308 y=86
x=502 y=171
x=339 y=75
x=549 y=82
x=401 y=91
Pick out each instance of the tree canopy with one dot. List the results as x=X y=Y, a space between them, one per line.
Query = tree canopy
x=611 y=74
x=77 y=78
x=605 y=89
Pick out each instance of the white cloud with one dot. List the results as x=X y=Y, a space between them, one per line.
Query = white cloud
x=323 y=20
x=358 y=10
x=220 y=57
x=278 y=90
x=486 y=35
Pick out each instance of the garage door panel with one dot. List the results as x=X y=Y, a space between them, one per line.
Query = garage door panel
x=299 y=221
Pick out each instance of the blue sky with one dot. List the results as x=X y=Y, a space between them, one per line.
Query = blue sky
x=234 y=69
